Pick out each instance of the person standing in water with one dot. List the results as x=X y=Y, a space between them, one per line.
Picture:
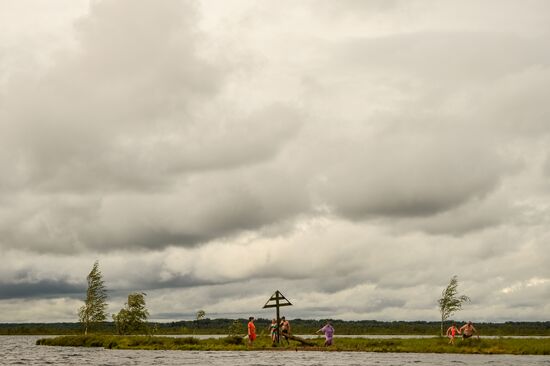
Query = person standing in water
x=328 y=330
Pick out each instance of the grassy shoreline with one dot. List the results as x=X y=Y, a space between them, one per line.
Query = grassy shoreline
x=531 y=346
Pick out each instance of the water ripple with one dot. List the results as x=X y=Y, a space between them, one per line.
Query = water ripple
x=21 y=350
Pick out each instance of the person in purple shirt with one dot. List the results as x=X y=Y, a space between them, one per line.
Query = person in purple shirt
x=328 y=330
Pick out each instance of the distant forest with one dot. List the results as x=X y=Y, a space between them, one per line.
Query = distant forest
x=299 y=326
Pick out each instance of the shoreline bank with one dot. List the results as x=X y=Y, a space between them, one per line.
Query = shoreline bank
x=531 y=346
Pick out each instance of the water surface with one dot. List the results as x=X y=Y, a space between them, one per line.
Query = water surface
x=21 y=350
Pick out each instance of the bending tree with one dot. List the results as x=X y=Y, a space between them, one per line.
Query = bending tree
x=95 y=304
x=133 y=317
x=450 y=301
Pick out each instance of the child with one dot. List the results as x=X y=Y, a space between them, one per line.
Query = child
x=451 y=333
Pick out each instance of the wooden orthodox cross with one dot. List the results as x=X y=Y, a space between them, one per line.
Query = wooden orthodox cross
x=276 y=301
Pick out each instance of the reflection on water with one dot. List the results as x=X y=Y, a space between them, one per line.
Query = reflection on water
x=21 y=350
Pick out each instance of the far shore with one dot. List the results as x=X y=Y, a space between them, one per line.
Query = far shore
x=299 y=326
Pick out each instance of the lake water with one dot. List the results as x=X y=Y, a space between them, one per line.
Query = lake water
x=21 y=350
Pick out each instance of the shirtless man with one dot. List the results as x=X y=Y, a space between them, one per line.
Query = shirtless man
x=285 y=329
x=468 y=330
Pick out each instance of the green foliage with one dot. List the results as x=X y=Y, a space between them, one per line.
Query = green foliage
x=450 y=302
x=186 y=340
x=79 y=341
x=133 y=317
x=200 y=315
x=236 y=328
x=94 y=309
x=236 y=340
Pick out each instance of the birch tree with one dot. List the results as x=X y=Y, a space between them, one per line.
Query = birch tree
x=450 y=302
x=133 y=317
x=94 y=309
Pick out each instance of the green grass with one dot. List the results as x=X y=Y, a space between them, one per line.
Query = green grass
x=531 y=346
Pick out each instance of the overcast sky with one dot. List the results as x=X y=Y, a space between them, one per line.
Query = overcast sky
x=354 y=155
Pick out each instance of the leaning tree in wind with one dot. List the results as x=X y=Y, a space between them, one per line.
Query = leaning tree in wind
x=450 y=302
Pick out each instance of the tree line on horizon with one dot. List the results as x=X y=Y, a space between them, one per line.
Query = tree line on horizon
x=299 y=326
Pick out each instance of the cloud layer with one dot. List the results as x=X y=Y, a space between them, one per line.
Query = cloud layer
x=208 y=155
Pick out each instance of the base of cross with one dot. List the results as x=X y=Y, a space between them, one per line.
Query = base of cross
x=303 y=341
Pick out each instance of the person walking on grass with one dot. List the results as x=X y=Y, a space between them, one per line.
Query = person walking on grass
x=468 y=330
x=251 y=331
x=328 y=330
x=451 y=333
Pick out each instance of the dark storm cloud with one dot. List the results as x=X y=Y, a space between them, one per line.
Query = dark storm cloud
x=149 y=280
x=403 y=175
x=40 y=289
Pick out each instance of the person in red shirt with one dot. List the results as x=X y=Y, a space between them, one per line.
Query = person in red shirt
x=251 y=331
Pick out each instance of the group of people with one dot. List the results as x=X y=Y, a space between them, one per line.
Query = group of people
x=273 y=329
x=467 y=330
x=284 y=326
